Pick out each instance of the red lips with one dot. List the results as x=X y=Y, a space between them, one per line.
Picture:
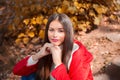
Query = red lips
x=54 y=40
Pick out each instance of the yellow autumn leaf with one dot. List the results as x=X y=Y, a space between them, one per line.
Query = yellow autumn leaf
x=45 y=21
x=31 y=34
x=100 y=8
x=11 y=27
x=64 y=9
x=17 y=41
x=91 y=13
x=66 y=3
x=41 y=34
x=26 y=21
x=76 y=4
x=80 y=5
x=71 y=10
x=25 y=40
x=65 y=6
x=33 y=20
x=113 y=17
x=81 y=10
x=38 y=20
x=21 y=35
x=88 y=5
x=41 y=17
x=59 y=10
x=104 y=9
x=97 y=20
x=82 y=27
x=87 y=22
x=74 y=18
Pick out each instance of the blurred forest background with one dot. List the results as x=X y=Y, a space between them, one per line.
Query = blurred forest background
x=96 y=23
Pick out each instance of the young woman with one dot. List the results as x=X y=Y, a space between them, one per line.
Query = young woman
x=61 y=57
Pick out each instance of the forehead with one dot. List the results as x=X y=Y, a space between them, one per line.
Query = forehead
x=55 y=24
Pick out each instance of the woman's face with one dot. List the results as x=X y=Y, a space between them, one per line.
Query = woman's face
x=56 y=33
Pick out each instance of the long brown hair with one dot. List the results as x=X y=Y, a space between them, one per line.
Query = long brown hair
x=45 y=63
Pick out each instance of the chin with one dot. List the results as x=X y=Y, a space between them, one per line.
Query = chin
x=55 y=44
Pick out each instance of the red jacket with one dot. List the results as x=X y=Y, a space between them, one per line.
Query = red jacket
x=79 y=68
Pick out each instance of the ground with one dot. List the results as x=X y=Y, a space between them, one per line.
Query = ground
x=103 y=43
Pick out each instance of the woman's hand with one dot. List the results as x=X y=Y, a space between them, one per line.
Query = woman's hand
x=56 y=54
x=45 y=50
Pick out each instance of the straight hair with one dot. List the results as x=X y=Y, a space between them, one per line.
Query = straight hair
x=45 y=63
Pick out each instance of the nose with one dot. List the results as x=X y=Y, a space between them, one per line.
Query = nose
x=55 y=34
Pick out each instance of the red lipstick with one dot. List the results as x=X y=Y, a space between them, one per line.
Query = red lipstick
x=54 y=40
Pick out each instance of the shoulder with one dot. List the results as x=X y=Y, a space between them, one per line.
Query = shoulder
x=81 y=52
x=78 y=43
x=79 y=47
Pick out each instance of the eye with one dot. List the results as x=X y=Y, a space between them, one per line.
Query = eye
x=50 y=29
x=61 y=30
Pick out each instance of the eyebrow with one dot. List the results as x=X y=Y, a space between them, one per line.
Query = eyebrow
x=58 y=28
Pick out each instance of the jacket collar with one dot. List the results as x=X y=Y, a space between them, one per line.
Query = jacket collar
x=75 y=48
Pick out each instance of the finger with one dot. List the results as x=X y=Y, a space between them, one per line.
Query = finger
x=49 y=45
x=48 y=49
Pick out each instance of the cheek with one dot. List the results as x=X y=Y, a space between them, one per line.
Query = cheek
x=49 y=35
x=62 y=37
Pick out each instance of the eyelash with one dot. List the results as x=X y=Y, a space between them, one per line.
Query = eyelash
x=61 y=30
x=58 y=30
x=50 y=29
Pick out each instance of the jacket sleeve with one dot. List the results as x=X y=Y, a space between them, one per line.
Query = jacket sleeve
x=22 y=69
x=79 y=68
